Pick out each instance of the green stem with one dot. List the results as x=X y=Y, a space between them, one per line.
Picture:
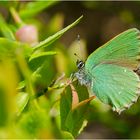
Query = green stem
x=48 y=89
x=16 y=17
x=26 y=73
x=52 y=86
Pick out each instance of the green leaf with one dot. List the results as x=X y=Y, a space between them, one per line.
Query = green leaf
x=8 y=84
x=9 y=47
x=65 y=106
x=33 y=8
x=22 y=99
x=44 y=70
x=3 y=108
x=82 y=91
x=21 y=85
x=54 y=37
x=33 y=122
x=6 y=31
x=41 y=54
x=76 y=117
x=72 y=119
x=67 y=135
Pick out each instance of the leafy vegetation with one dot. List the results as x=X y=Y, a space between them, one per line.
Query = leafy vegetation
x=37 y=99
x=33 y=94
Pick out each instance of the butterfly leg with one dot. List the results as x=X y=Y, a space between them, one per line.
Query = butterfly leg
x=72 y=76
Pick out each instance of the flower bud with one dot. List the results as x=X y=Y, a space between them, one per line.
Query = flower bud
x=27 y=34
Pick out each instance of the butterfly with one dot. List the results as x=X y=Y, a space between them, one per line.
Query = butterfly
x=111 y=71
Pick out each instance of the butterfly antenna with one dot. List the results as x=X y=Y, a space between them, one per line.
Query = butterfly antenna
x=79 y=43
x=77 y=56
x=78 y=37
x=79 y=46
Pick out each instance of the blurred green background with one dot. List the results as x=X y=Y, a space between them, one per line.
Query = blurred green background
x=101 y=21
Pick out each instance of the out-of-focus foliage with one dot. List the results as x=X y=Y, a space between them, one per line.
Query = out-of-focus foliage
x=30 y=85
x=37 y=99
x=33 y=8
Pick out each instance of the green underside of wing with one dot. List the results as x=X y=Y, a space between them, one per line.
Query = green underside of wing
x=123 y=50
x=115 y=85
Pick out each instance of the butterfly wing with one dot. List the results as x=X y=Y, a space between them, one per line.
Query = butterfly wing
x=115 y=85
x=111 y=70
x=123 y=50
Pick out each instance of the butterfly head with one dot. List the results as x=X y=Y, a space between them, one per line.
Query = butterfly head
x=80 y=64
x=81 y=74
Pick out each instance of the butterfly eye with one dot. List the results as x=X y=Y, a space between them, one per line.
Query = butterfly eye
x=80 y=64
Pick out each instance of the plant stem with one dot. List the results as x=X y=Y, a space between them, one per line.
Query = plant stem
x=26 y=73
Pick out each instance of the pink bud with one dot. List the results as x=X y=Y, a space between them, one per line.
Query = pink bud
x=27 y=34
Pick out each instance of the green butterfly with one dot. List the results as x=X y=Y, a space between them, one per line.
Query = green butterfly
x=111 y=72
